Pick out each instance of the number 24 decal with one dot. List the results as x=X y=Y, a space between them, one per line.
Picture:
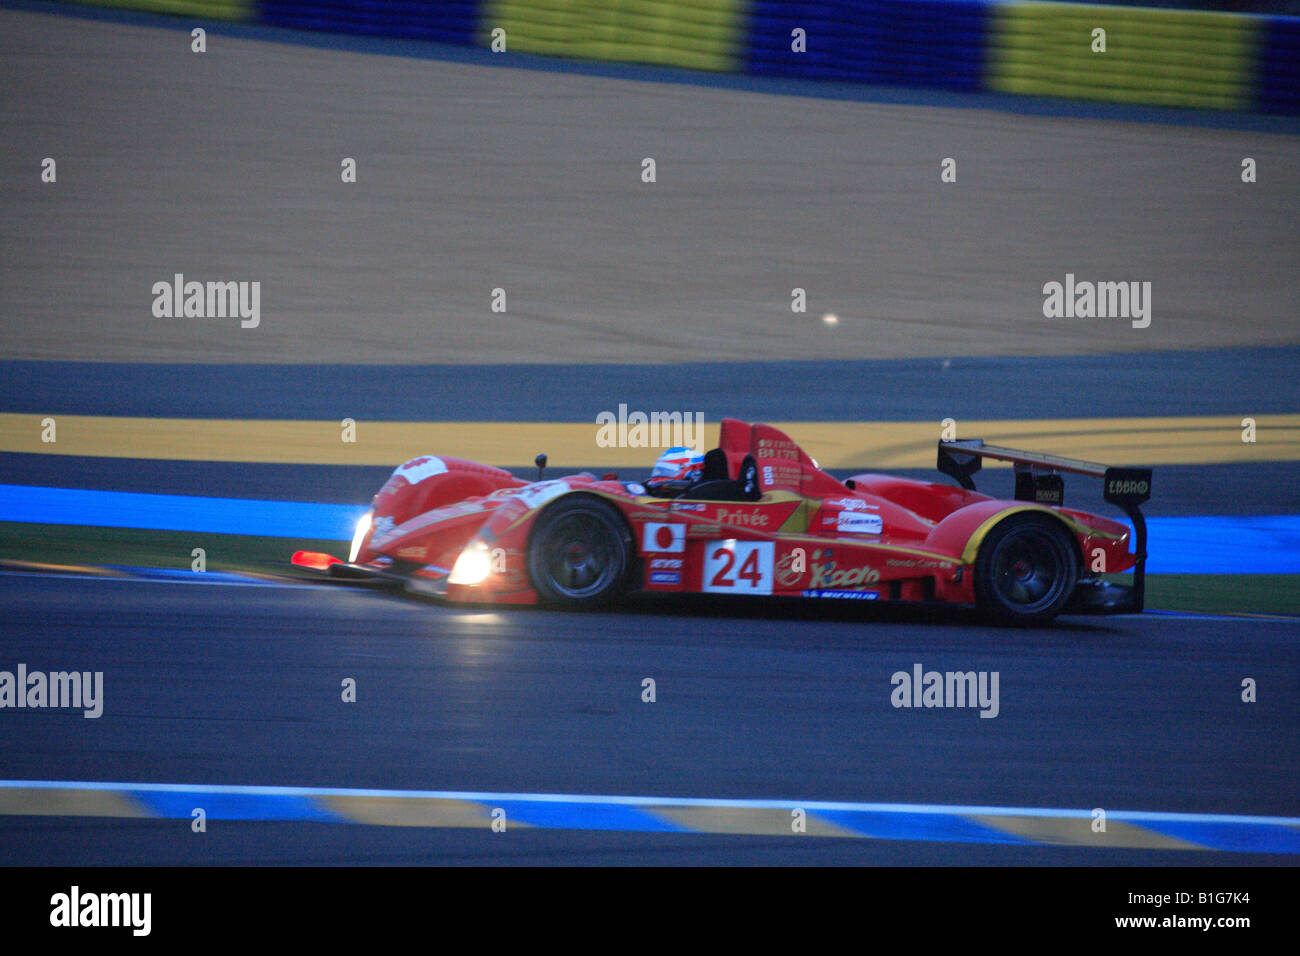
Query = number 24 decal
x=743 y=567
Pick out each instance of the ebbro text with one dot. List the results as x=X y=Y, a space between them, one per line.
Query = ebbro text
x=22 y=688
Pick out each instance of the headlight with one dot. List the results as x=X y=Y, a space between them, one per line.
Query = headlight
x=473 y=566
x=358 y=536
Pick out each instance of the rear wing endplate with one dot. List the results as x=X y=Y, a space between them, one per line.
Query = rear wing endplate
x=1038 y=479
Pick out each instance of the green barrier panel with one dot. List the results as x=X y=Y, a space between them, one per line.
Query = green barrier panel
x=207 y=9
x=695 y=34
x=1156 y=57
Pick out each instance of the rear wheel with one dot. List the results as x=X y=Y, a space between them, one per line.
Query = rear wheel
x=580 y=553
x=1026 y=570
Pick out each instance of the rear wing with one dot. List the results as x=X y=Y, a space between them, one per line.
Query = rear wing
x=1038 y=479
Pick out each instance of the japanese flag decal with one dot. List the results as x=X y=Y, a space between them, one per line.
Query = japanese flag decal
x=666 y=538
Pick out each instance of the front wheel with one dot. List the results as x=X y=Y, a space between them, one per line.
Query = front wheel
x=579 y=553
x=1026 y=570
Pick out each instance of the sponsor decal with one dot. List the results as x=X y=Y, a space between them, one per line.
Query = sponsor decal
x=917 y=563
x=857 y=522
x=774 y=448
x=689 y=506
x=381 y=529
x=850 y=595
x=671 y=563
x=665 y=577
x=791 y=568
x=825 y=574
x=635 y=487
x=852 y=504
x=656 y=536
x=1118 y=487
x=782 y=475
x=418 y=469
x=539 y=493
x=749 y=517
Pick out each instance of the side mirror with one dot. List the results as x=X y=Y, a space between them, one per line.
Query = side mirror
x=540 y=462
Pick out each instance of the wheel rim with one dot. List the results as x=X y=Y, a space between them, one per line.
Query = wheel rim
x=1029 y=570
x=578 y=557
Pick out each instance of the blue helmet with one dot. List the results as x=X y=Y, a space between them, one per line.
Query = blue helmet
x=677 y=465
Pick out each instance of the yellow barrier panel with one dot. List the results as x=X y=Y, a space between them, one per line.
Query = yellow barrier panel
x=208 y=9
x=695 y=34
x=1158 y=57
x=866 y=445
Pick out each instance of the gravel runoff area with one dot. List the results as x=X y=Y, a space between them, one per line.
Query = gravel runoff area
x=226 y=166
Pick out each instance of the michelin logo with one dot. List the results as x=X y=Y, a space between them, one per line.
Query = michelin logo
x=851 y=595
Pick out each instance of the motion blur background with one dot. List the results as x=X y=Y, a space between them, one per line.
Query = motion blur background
x=797 y=146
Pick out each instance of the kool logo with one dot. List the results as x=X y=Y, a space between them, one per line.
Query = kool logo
x=825 y=576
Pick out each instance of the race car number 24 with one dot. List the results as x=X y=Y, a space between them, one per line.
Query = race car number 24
x=738 y=567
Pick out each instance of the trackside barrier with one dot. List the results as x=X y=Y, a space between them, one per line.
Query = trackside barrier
x=241 y=10
x=1130 y=55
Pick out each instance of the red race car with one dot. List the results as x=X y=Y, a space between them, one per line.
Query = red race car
x=759 y=518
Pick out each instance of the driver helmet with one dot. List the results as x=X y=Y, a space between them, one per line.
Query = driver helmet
x=677 y=466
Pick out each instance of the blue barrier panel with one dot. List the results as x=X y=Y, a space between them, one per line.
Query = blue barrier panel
x=932 y=43
x=443 y=21
x=1279 y=66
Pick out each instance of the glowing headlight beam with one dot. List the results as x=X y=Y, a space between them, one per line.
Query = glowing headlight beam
x=359 y=535
x=473 y=566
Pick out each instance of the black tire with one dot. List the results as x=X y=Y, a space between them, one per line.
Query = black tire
x=1026 y=570
x=580 y=553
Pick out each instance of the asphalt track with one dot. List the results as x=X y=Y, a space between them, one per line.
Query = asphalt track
x=208 y=684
